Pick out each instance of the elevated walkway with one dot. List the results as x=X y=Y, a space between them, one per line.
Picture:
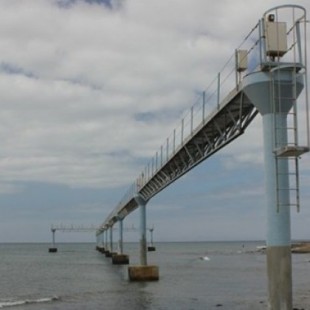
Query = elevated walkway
x=266 y=74
x=224 y=124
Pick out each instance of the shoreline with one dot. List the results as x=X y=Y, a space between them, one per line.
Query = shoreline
x=301 y=248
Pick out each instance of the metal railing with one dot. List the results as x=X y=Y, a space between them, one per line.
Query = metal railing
x=228 y=78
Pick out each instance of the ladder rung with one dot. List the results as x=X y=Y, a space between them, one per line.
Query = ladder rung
x=280 y=96
x=288 y=128
x=289 y=204
x=290 y=173
x=291 y=151
x=284 y=98
x=278 y=150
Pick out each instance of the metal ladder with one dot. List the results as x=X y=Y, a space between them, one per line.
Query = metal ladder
x=286 y=148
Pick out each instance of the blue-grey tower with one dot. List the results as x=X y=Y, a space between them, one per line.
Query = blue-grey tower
x=270 y=74
x=274 y=90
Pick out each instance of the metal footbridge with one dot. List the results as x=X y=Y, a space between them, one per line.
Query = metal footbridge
x=199 y=136
x=265 y=74
x=222 y=126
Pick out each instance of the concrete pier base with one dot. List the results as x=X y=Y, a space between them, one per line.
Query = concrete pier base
x=120 y=259
x=143 y=273
x=100 y=249
x=52 y=250
x=279 y=269
x=110 y=254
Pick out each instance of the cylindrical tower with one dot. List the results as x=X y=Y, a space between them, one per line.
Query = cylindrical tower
x=274 y=88
x=274 y=93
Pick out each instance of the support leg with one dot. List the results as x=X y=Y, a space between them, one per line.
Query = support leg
x=110 y=252
x=143 y=242
x=279 y=266
x=53 y=249
x=120 y=258
x=100 y=243
x=143 y=272
x=106 y=240
x=120 y=241
x=111 y=238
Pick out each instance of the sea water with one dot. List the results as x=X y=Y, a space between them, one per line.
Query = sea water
x=193 y=276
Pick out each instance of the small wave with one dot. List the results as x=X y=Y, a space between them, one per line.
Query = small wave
x=13 y=303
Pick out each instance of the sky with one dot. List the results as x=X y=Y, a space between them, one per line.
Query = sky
x=90 y=89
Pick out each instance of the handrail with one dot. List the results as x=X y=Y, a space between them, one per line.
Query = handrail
x=208 y=100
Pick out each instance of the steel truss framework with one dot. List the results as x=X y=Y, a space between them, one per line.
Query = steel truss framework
x=230 y=117
x=222 y=126
x=226 y=124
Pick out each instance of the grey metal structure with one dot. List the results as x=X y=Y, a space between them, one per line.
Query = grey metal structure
x=82 y=228
x=221 y=127
x=74 y=228
x=266 y=74
x=213 y=122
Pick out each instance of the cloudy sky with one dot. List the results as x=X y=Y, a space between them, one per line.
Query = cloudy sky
x=90 y=89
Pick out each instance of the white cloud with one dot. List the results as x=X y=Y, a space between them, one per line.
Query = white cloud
x=89 y=93
x=73 y=79
x=72 y=82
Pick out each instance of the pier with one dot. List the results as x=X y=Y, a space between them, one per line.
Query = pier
x=68 y=228
x=265 y=75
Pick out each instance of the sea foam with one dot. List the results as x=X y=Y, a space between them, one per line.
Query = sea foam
x=12 y=303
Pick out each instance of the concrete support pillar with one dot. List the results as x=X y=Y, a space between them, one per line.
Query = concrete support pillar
x=100 y=243
x=102 y=239
x=108 y=244
x=106 y=240
x=143 y=272
x=111 y=239
x=143 y=242
x=279 y=266
x=273 y=94
x=120 y=241
x=110 y=253
x=120 y=258
x=97 y=240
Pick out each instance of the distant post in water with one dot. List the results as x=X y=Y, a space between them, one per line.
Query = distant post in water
x=151 y=247
x=53 y=249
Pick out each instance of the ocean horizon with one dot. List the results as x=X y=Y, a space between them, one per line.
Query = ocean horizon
x=192 y=276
